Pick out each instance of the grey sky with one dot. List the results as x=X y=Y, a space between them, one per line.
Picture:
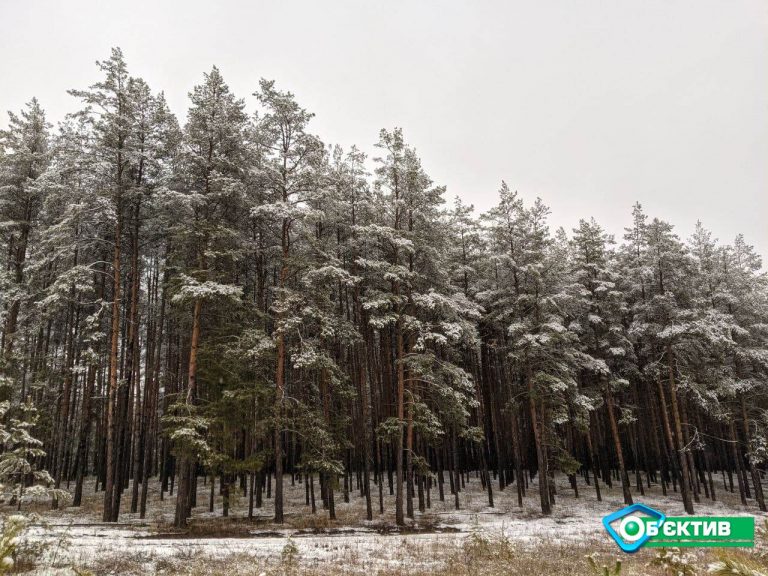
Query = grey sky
x=589 y=104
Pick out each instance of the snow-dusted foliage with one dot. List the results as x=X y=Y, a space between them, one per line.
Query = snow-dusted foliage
x=191 y=289
x=234 y=298
x=21 y=480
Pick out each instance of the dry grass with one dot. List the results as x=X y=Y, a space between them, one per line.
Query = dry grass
x=477 y=557
x=349 y=545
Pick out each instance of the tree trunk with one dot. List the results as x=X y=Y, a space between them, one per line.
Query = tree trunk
x=684 y=480
x=546 y=507
x=617 y=445
x=187 y=465
x=593 y=461
x=112 y=436
x=399 y=518
x=153 y=396
x=756 y=482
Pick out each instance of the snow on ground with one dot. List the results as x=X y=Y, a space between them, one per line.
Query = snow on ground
x=78 y=535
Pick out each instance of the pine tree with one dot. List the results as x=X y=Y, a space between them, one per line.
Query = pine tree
x=26 y=154
x=605 y=344
x=290 y=177
x=108 y=104
x=20 y=477
x=214 y=150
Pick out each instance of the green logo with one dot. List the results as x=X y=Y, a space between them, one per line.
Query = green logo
x=725 y=531
x=639 y=525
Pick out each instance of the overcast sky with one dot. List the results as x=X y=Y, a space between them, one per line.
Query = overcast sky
x=589 y=104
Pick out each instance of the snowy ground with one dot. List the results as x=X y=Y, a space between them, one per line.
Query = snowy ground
x=78 y=537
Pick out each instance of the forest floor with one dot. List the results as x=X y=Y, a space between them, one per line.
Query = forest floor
x=475 y=539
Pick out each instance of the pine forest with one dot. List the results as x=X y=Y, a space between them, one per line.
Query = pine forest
x=225 y=303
